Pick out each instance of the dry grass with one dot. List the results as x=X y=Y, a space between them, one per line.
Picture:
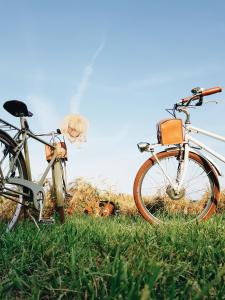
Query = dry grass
x=84 y=197
x=6 y=208
x=88 y=198
x=221 y=204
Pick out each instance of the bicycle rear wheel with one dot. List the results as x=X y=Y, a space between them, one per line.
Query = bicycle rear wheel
x=11 y=195
x=154 y=196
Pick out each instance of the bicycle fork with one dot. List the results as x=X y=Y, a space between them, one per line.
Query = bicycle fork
x=175 y=189
x=57 y=177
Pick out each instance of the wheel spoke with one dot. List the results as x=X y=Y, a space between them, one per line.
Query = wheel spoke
x=12 y=195
x=157 y=197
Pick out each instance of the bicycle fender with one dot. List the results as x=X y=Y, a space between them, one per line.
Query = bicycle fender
x=209 y=160
x=8 y=136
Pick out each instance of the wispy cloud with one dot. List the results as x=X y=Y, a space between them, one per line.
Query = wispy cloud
x=45 y=112
x=154 y=80
x=83 y=85
x=134 y=85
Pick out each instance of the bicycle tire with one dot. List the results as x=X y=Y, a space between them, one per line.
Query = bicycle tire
x=146 y=205
x=10 y=211
x=57 y=176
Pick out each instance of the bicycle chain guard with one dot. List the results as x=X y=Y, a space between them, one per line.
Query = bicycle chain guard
x=37 y=190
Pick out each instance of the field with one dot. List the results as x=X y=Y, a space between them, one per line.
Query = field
x=116 y=257
x=119 y=257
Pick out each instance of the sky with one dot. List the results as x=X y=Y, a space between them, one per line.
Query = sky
x=118 y=63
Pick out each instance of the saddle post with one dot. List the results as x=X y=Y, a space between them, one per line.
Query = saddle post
x=24 y=127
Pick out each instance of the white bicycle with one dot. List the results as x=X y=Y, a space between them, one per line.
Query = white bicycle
x=179 y=183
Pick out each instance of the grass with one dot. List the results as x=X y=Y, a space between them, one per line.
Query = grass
x=121 y=257
x=114 y=258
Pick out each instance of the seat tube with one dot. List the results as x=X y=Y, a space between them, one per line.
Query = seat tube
x=24 y=126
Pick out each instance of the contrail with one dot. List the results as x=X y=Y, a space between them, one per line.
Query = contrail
x=82 y=87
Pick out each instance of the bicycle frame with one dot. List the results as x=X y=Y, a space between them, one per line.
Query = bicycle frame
x=188 y=139
x=190 y=128
x=22 y=136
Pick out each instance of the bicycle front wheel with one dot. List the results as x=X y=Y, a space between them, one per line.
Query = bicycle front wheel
x=156 y=199
x=59 y=189
x=12 y=196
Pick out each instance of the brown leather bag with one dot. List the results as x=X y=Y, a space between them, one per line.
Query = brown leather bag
x=170 y=132
x=61 y=151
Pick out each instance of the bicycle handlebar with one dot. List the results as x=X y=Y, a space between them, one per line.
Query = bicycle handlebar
x=201 y=93
x=214 y=90
x=56 y=133
x=198 y=94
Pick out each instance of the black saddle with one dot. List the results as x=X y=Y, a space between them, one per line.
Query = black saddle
x=17 y=108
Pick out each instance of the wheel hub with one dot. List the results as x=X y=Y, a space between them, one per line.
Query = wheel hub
x=174 y=195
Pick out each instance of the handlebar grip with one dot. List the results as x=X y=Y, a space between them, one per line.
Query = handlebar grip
x=214 y=90
x=185 y=100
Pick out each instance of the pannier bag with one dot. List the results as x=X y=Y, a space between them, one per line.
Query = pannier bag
x=61 y=151
x=170 y=132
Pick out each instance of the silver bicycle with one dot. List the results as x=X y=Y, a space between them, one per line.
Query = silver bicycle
x=20 y=196
x=179 y=183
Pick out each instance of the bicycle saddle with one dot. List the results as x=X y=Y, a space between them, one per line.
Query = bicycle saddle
x=17 y=108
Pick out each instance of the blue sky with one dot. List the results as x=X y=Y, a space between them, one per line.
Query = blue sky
x=120 y=64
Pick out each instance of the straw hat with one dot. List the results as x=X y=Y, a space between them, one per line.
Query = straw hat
x=74 y=128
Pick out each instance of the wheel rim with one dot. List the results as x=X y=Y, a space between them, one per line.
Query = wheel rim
x=9 y=209
x=155 y=201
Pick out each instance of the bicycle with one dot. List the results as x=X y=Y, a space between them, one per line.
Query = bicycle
x=18 y=192
x=179 y=183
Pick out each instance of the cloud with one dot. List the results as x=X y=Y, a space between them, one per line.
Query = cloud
x=158 y=79
x=45 y=113
x=132 y=86
x=83 y=85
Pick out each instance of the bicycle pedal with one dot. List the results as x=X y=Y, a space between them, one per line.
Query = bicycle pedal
x=46 y=221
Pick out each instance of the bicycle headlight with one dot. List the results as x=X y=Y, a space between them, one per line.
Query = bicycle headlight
x=143 y=146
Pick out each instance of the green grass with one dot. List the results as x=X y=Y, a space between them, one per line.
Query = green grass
x=114 y=258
